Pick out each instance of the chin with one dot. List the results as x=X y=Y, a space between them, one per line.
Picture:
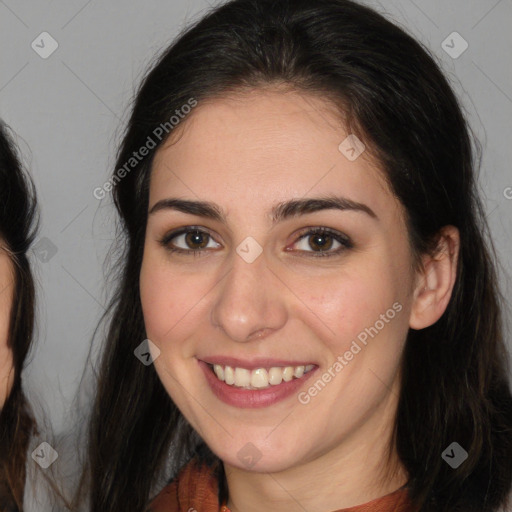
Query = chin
x=252 y=456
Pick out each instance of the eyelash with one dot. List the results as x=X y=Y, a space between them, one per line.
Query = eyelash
x=345 y=242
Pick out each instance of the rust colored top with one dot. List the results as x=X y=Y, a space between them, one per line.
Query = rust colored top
x=195 y=489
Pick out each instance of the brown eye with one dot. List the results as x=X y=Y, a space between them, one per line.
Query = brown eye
x=188 y=240
x=196 y=239
x=320 y=241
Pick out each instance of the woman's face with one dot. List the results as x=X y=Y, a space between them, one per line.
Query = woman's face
x=258 y=298
x=6 y=295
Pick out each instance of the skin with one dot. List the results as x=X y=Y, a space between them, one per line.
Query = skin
x=246 y=153
x=6 y=295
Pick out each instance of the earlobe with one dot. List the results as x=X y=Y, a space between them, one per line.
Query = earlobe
x=435 y=285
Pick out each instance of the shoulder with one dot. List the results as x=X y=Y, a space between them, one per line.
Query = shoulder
x=195 y=486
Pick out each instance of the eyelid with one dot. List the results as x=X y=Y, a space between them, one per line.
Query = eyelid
x=321 y=229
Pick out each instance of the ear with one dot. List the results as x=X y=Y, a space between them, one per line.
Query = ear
x=434 y=285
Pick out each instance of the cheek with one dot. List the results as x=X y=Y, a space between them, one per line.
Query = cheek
x=159 y=297
x=6 y=296
x=4 y=318
x=6 y=361
x=352 y=300
x=364 y=311
x=169 y=299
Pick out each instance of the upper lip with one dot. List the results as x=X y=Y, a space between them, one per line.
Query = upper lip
x=251 y=364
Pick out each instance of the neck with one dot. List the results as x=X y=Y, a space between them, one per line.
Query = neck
x=354 y=472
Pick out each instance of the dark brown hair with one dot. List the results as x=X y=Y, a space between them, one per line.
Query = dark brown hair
x=18 y=224
x=392 y=94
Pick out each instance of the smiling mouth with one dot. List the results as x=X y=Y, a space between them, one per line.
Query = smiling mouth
x=258 y=378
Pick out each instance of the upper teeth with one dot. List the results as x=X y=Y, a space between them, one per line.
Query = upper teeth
x=259 y=377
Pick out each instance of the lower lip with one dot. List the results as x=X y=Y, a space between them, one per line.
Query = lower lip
x=252 y=398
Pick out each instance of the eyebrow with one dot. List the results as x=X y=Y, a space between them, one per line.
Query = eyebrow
x=279 y=212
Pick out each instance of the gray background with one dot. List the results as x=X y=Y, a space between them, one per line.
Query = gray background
x=69 y=110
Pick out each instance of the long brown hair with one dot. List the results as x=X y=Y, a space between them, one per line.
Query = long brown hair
x=392 y=94
x=18 y=224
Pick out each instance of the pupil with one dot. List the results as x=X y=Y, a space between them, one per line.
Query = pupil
x=196 y=238
x=321 y=245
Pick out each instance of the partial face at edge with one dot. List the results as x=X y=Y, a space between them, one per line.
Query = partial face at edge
x=247 y=154
x=6 y=297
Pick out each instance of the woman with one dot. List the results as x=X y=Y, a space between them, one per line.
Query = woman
x=306 y=266
x=17 y=228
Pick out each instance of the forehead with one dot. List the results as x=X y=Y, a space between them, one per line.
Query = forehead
x=264 y=145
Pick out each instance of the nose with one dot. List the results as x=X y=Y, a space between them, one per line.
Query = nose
x=250 y=301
